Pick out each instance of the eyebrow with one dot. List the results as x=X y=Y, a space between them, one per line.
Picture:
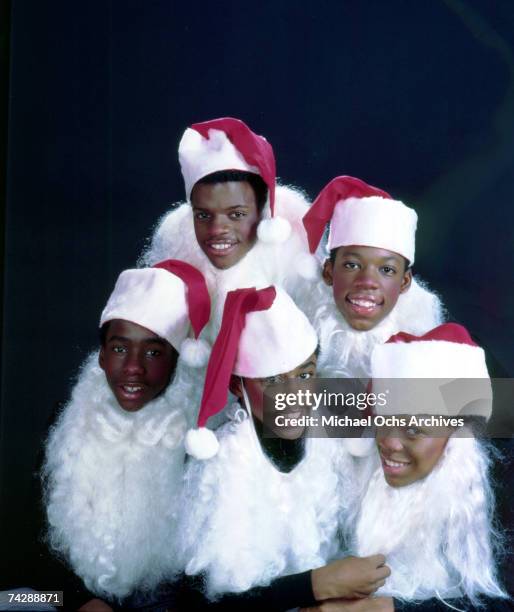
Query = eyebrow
x=160 y=341
x=394 y=258
x=231 y=208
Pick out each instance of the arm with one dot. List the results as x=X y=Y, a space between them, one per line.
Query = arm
x=282 y=594
x=351 y=577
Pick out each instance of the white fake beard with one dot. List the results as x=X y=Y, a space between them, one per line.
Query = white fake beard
x=112 y=479
x=435 y=533
x=265 y=264
x=248 y=523
x=346 y=352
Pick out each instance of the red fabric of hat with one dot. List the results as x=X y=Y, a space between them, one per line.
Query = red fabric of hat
x=447 y=332
x=221 y=363
x=198 y=300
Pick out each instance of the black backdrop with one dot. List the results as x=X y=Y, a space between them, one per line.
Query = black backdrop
x=414 y=97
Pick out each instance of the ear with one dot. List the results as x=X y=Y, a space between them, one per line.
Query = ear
x=328 y=273
x=101 y=358
x=235 y=386
x=406 y=281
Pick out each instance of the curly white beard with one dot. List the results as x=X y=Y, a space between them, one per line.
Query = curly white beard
x=346 y=352
x=265 y=264
x=112 y=479
x=435 y=533
x=248 y=523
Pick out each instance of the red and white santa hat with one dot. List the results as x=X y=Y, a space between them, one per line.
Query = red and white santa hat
x=229 y=144
x=360 y=214
x=263 y=333
x=169 y=299
x=440 y=373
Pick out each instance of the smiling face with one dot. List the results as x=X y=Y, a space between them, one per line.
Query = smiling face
x=255 y=388
x=137 y=363
x=409 y=454
x=366 y=283
x=225 y=219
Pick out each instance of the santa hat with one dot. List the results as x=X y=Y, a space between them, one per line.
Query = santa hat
x=229 y=144
x=168 y=299
x=424 y=375
x=263 y=333
x=360 y=214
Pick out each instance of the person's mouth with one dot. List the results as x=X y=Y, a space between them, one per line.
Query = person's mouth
x=221 y=247
x=364 y=305
x=394 y=467
x=131 y=390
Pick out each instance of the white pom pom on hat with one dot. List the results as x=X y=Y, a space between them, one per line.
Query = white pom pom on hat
x=275 y=230
x=201 y=443
x=195 y=353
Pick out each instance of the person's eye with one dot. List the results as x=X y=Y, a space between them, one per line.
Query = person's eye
x=413 y=432
x=351 y=265
x=388 y=270
x=305 y=375
x=272 y=380
x=201 y=215
x=118 y=349
x=153 y=352
x=237 y=214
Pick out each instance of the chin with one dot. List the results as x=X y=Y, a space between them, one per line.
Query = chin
x=292 y=433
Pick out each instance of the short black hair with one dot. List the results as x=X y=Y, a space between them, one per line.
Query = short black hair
x=333 y=253
x=258 y=185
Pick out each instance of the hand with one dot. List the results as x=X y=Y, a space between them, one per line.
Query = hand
x=369 y=604
x=95 y=605
x=349 y=578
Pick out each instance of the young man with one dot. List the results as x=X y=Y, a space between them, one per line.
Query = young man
x=237 y=226
x=371 y=248
x=114 y=459
x=262 y=513
x=429 y=503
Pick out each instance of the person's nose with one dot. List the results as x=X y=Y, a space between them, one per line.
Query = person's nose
x=220 y=225
x=389 y=443
x=133 y=364
x=366 y=279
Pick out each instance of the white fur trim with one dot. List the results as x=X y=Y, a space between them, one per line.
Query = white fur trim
x=274 y=230
x=195 y=353
x=425 y=377
x=428 y=359
x=374 y=222
x=275 y=341
x=199 y=156
x=152 y=298
x=201 y=443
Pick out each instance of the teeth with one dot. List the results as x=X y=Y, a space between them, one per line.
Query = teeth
x=132 y=388
x=221 y=246
x=363 y=303
x=394 y=463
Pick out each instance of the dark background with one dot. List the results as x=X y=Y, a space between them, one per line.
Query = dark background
x=414 y=97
